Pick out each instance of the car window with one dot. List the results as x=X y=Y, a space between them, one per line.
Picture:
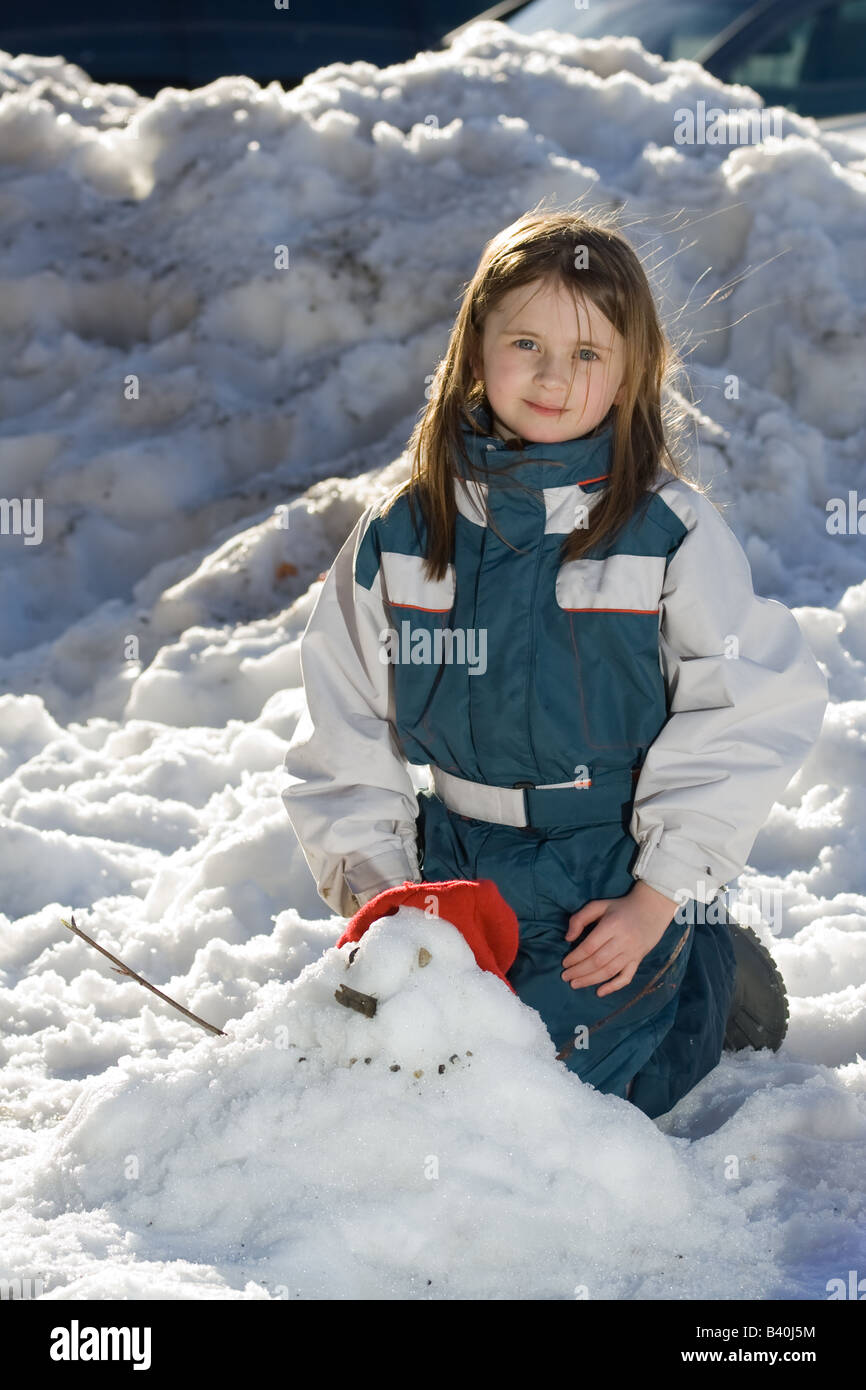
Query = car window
x=672 y=28
x=815 y=64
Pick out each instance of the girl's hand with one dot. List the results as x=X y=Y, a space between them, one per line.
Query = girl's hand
x=629 y=928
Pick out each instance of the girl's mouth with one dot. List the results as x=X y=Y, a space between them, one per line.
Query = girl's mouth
x=545 y=409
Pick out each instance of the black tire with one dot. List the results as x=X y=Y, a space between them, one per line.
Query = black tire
x=758 y=1015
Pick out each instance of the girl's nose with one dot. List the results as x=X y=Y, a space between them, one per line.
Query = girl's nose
x=551 y=376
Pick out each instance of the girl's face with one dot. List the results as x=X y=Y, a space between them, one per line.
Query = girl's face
x=530 y=351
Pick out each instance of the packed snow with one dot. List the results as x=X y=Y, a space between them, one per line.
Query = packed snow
x=220 y=310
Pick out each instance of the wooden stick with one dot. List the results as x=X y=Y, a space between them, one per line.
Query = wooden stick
x=125 y=970
x=354 y=999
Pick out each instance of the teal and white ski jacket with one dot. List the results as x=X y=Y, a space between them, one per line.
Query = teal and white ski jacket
x=653 y=654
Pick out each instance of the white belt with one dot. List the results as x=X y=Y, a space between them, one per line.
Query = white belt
x=505 y=805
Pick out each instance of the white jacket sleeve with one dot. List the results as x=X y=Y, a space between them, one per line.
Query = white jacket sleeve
x=354 y=806
x=746 y=700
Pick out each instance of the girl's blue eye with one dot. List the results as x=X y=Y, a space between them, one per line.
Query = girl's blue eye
x=518 y=341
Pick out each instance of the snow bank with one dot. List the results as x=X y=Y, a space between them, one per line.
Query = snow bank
x=437 y=1149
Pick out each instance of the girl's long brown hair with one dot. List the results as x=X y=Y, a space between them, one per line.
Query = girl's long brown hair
x=542 y=246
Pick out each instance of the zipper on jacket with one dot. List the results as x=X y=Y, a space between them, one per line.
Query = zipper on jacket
x=531 y=663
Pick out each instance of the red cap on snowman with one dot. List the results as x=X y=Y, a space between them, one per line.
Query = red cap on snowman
x=474 y=906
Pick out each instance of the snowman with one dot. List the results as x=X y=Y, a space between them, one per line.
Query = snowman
x=405 y=989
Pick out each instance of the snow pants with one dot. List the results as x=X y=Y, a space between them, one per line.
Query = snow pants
x=665 y=1029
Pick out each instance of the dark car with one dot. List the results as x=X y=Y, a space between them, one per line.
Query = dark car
x=156 y=43
x=806 y=55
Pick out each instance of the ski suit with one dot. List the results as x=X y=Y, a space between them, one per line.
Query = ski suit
x=642 y=705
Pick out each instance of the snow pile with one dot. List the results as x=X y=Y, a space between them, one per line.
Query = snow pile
x=203 y=417
x=435 y=1149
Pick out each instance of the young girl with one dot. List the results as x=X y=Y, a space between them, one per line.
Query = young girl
x=564 y=629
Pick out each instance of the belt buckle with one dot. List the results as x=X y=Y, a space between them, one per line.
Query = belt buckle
x=522 y=786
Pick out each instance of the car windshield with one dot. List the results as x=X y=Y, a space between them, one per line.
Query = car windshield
x=671 y=29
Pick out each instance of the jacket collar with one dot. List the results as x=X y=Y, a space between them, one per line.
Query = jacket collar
x=581 y=461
